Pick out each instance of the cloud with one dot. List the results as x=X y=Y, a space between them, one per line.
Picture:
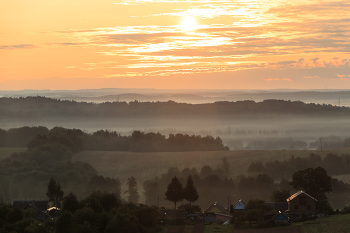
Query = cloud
x=311 y=77
x=278 y=79
x=315 y=60
x=342 y=75
x=19 y=46
x=138 y=38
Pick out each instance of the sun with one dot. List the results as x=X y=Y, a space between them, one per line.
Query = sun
x=188 y=24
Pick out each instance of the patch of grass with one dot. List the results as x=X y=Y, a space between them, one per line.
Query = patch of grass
x=335 y=223
x=6 y=152
x=219 y=228
x=165 y=229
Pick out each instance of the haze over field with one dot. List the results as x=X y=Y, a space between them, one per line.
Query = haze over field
x=339 y=97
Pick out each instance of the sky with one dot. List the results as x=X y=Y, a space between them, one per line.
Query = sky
x=174 y=44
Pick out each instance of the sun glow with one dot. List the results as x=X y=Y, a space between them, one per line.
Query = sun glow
x=188 y=24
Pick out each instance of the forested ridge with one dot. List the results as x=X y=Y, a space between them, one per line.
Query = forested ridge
x=104 y=140
x=43 y=108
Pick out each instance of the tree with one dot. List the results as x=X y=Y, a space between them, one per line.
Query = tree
x=70 y=203
x=256 y=210
x=65 y=223
x=132 y=190
x=314 y=181
x=174 y=192
x=190 y=191
x=226 y=166
x=280 y=195
x=54 y=192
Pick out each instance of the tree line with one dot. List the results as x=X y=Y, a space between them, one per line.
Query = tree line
x=105 y=212
x=215 y=185
x=334 y=164
x=38 y=107
x=102 y=140
x=100 y=211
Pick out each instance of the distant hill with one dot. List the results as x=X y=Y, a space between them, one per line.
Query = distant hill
x=45 y=108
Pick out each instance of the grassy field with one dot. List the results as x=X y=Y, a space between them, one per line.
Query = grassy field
x=5 y=152
x=336 y=223
x=333 y=224
x=145 y=166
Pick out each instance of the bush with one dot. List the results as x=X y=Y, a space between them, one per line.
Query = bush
x=237 y=219
x=190 y=209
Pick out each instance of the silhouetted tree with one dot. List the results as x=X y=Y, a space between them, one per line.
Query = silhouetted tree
x=174 y=192
x=65 y=223
x=280 y=195
x=54 y=192
x=226 y=166
x=70 y=203
x=132 y=191
x=190 y=191
x=314 y=181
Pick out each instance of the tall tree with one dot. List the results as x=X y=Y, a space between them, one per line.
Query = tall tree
x=190 y=191
x=226 y=166
x=132 y=190
x=314 y=181
x=175 y=191
x=54 y=192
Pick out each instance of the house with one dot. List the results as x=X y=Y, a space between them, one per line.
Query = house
x=240 y=205
x=215 y=213
x=280 y=219
x=53 y=211
x=39 y=206
x=302 y=203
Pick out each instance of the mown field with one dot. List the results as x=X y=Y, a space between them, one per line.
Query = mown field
x=5 y=152
x=145 y=166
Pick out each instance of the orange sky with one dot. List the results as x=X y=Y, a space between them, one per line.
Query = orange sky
x=253 y=44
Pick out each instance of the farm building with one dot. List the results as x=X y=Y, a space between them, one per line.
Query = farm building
x=216 y=213
x=280 y=219
x=39 y=206
x=240 y=205
x=302 y=202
